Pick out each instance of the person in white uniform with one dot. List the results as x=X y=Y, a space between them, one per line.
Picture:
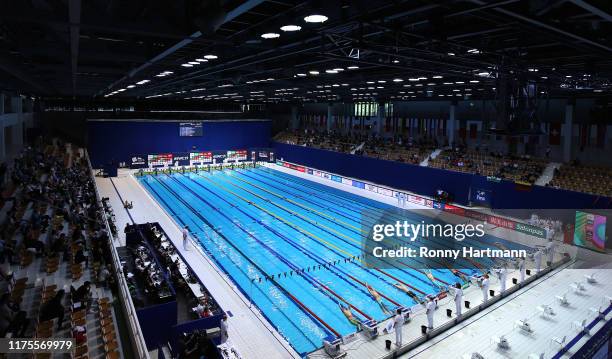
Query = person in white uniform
x=224 y=328
x=185 y=237
x=430 y=309
x=484 y=285
x=503 y=275
x=398 y=322
x=550 y=250
x=522 y=268
x=537 y=257
x=458 y=299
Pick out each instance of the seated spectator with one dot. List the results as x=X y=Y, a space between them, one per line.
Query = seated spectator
x=53 y=309
x=12 y=320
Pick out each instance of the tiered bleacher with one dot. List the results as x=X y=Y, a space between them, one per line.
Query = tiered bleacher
x=513 y=168
x=408 y=150
x=55 y=253
x=589 y=179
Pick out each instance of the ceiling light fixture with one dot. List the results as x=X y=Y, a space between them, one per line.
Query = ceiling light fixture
x=211 y=57
x=290 y=28
x=316 y=18
x=270 y=35
x=313 y=72
x=353 y=67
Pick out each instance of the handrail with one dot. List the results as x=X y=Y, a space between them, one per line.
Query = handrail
x=136 y=336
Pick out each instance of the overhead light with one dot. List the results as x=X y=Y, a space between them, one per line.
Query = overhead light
x=193 y=62
x=598 y=90
x=120 y=90
x=413 y=79
x=396 y=61
x=474 y=81
x=301 y=74
x=270 y=35
x=211 y=57
x=315 y=18
x=568 y=76
x=398 y=80
x=473 y=51
x=142 y=82
x=291 y=28
x=451 y=54
x=459 y=82
x=313 y=72
x=381 y=81
x=187 y=65
x=131 y=86
x=201 y=60
x=331 y=71
x=353 y=67
x=436 y=77
x=338 y=69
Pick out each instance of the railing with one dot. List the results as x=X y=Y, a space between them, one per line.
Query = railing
x=129 y=311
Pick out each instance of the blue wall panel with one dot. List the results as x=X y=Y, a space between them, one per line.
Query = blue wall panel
x=426 y=180
x=118 y=140
x=156 y=323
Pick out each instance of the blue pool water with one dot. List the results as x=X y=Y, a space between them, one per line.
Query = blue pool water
x=275 y=234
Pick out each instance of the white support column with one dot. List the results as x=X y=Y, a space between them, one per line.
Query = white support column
x=567 y=132
x=329 y=117
x=450 y=128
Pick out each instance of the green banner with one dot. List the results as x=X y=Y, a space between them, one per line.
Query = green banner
x=531 y=230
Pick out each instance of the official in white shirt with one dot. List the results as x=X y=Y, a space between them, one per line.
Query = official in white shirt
x=522 y=268
x=430 y=309
x=458 y=299
x=503 y=275
x=484 y=285
x=398 y=322
x=185 y=237
x=224 y=328
x=537 y=257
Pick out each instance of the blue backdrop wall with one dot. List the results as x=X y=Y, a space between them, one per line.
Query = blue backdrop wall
x=426 y=180
x=117 y=141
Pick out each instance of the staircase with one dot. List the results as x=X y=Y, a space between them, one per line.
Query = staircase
x=359 y=147
x=434 y=154
x=548 y=174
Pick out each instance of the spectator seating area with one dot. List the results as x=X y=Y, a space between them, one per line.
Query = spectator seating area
x=588 y=179
x=409 y=151
x=513 y=168
x=55 y=253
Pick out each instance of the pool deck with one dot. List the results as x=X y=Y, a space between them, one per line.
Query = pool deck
x=254 y=337
x=249 y=332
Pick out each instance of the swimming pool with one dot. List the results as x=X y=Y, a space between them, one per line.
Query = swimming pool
x=293 y=246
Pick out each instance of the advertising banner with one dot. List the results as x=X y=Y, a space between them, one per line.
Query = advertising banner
x=138 y=162
x=336 y=178
x=358 y=184
x=529 y=229
x=200 y=158
x=417 y=200
x=347 y=181
x=160 y=160
x=180 y=159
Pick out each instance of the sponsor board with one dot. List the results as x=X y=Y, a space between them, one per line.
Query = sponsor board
x=529 y=229
x=416 y=199
x=138 y=162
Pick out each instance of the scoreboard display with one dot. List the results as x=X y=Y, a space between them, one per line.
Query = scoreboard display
x=190 y=129
x=200 y=157
x=590 y=231
x=158 y=160
x=237 y=155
